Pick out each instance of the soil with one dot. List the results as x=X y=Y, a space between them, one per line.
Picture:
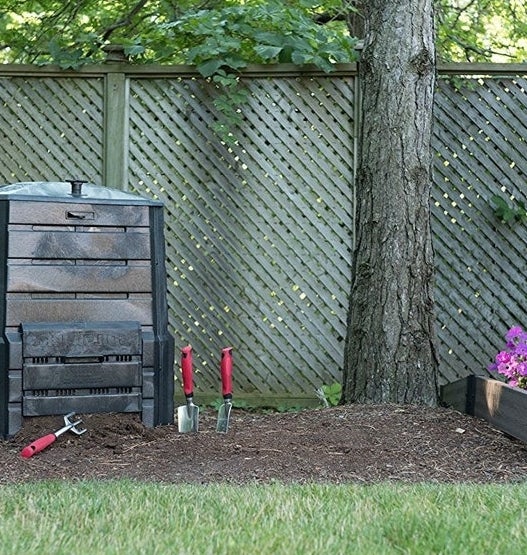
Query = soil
x=349 y=444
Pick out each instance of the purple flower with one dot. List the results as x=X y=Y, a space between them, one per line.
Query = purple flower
x=506 y=369
x=515 y=336
x=503 y=356
x=521 y=369
x=512 y=361
x=515 y=331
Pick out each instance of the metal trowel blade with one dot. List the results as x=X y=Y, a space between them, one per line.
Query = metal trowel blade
x=223 y=417
x=188 y=418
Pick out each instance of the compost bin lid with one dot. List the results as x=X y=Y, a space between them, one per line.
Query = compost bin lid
x=63 y=191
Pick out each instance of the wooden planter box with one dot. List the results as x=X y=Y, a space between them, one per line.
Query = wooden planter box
x=503 y=406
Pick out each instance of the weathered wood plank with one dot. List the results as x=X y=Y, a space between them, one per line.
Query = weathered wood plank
x=116 y=132
x=501 y=405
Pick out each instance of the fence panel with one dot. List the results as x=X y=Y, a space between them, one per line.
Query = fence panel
x=51 y=128
x=259 y=232
x=479 y=139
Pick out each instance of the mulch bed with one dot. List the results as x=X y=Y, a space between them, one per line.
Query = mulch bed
x=351 y=444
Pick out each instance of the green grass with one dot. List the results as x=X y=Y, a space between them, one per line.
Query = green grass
x=125 y=517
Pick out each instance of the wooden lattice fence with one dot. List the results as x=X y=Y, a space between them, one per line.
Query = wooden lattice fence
x=50 y=126
x=480 y=130
x=259 y=233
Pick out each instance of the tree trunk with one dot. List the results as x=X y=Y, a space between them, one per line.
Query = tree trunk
x=390 y=352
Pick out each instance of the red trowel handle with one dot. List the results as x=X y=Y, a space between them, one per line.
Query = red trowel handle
x=186 y=370
x=38 y=445
x=226 y=372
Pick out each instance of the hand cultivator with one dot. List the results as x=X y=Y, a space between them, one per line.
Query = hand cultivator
x=44 y=441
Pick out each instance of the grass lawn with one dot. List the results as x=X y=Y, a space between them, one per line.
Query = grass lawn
x=126 y=517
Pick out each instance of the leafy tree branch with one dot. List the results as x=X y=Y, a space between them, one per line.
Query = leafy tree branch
x=221 y=37
x=125 y=21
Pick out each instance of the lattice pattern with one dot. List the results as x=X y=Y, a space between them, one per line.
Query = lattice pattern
x=258 y=233
x=481 y=150
x=51 y=128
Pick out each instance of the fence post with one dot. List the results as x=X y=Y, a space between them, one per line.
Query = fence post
x=115 y=155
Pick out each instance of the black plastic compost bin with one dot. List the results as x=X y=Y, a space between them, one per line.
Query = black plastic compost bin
x=83 y=304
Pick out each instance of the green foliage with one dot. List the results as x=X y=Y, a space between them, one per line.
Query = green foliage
x=216 y=404
x=257 y=32
x=221 y=42
x=219 y=37
x=240 y=31
x=289 y=408
x=507 y=213
x=229 y=102
x=236 y=404
x=332 y=393
x=482 y=31
x=69 y=34
x=212 y=34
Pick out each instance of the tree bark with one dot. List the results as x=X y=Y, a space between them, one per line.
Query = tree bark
x=390 y=351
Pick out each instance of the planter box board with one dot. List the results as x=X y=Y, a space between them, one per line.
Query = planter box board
x=503 y=406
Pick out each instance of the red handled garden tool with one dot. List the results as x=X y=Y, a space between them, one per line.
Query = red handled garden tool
x=44 y=441
x=226 y=389
x=187 y=415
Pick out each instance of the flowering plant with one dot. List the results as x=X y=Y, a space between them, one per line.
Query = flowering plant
x=512 y=361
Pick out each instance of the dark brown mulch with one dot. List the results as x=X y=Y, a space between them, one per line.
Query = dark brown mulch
x=356 y=443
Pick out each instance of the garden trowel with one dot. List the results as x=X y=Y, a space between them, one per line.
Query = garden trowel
x=187 y=415
x=226 y=389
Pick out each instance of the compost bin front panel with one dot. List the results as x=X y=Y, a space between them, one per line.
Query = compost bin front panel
x=84 y=312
